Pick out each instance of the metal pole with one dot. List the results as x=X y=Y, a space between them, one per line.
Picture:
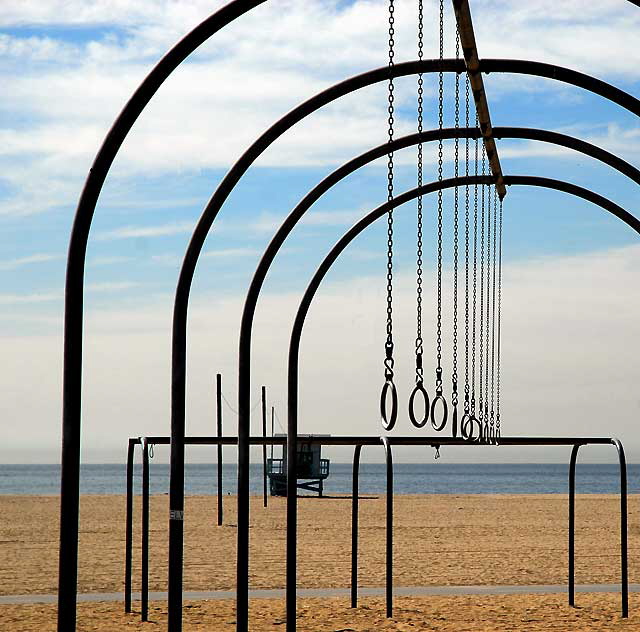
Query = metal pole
x=292 y=522
x=273 y=412
x=128 y=544
x=219 y=420
x=572 y=522
x=145 y=532
x=264 y=446
x=623 y=529
x=354 y=526
x=389 y=543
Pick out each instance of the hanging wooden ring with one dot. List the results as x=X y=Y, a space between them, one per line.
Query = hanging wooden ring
x=388 y=422
x=445 y=412
x=419 y=423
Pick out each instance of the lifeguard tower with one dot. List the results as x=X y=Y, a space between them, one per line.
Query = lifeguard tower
x=311 y=470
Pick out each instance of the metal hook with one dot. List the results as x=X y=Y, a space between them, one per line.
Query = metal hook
x=437 y=454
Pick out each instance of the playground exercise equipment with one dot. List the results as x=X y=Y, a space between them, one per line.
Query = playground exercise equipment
x=472 y=430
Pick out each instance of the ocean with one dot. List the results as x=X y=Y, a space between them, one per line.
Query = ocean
x=409 y=478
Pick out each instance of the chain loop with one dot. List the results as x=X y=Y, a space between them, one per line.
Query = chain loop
x=481 y=316
x=456 y=163
x=497 y=435
x=389 y=419
x=493 y=314
x=419 y=341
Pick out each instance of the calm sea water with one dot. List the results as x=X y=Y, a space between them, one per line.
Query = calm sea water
x=409 y=478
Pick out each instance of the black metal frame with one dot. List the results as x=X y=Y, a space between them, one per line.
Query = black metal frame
x=73 y=336
x=387 y=442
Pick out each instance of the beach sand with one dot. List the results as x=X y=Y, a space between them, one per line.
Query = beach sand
x=439 y=540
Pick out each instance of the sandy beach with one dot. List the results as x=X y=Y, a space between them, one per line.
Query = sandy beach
x=439 y=540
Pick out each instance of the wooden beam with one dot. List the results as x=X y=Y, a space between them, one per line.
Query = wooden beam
x=470 y=52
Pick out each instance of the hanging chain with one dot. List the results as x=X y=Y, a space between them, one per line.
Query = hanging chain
x=456 y=160
x=419 y=342
x=475 y=280
x=419 y=390
x=466 y=253
x=440 y=154
x=388 y=420
x=481 y=317
x=488 y=317
x=390 y=109
x=497 y=437
x=493 y=312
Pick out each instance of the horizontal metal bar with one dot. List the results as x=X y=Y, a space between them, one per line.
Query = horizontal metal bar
x=376 y=440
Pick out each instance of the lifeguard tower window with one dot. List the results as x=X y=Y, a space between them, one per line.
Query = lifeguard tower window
x=311 y=468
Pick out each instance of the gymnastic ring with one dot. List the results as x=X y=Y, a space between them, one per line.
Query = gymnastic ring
x=419 y=389
x=466 y=427
x=435 y=426
x=388 y=422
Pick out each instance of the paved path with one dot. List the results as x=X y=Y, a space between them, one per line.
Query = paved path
x=417 y=591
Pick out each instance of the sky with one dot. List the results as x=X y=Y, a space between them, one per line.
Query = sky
x=571 y=300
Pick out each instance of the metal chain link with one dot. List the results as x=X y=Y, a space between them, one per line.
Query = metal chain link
x=475 y=279
x=389 y=343
x=493 y=312
x=482 y=224
x=466 y=253
x=419 y=341
x=440 y=160
x=488 y=315
x=456 y=162
x=499 y=324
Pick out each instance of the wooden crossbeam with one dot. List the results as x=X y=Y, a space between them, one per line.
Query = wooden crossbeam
x=472 y=60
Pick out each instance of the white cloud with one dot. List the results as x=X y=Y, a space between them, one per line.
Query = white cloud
x=133 y=232
x=569 y=359
x=21 y=299
x=111 y=286
x=236 y=86
x=19 y=262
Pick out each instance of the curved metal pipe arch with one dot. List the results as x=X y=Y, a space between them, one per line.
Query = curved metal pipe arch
x=74 y=284
x=305 y=303
x=207 y=218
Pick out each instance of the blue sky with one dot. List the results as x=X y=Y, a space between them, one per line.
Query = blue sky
x=68 y=68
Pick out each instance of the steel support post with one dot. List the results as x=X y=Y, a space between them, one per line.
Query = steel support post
x=624 y=549
x=389 y=539
x=144 y=587
x=219 y=429
x=572 y=522
x=264 y=446
x=354 y=525
x=128 y=541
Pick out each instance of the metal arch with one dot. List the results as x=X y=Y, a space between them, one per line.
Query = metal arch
x=74 y=290
x=351 y=166
x=305 y=303
x=186 y=275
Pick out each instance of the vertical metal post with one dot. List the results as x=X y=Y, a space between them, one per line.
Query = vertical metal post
x=354 y=526
x=572 y=522
x=292 y=494
x=264 y=446
x=273 y=412
x=145 y=532
x=219 y=423
x=624 y=560
x=128 y=543
x=389 y=544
